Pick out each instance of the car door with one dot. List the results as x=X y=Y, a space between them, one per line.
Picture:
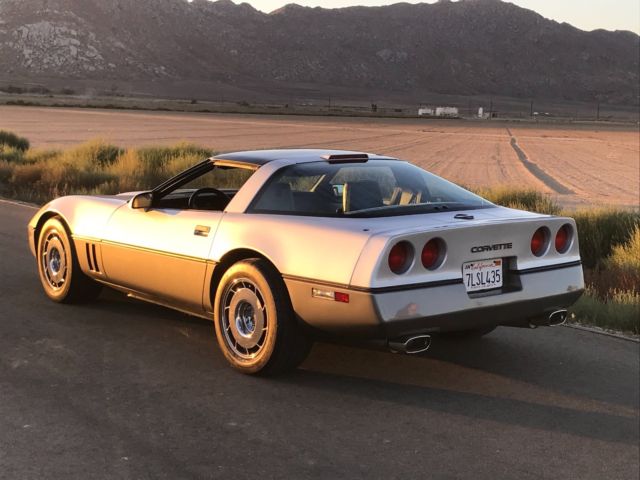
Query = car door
x=161 y=252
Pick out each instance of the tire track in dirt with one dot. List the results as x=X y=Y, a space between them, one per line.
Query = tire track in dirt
x=538 y=172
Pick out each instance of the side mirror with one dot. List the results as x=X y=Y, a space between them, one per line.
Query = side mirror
x=142 y=200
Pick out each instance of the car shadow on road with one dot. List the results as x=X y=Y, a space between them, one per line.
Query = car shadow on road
x=500 y=407
x=486 y=379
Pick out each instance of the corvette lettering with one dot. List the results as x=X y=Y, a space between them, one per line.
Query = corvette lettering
x=490 y=248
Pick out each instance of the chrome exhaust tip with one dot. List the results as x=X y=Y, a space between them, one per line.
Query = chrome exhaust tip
x=554 y=319
x=557 y=318
x=410 y=345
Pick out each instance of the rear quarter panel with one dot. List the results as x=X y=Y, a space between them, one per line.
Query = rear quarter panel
x=325 y=249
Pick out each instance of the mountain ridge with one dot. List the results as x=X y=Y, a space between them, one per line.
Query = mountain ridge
x=469 y=47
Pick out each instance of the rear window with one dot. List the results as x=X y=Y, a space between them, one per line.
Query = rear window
x=370 y=189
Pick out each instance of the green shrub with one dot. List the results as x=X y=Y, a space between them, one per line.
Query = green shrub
x=601 y=230
x=92 y=155
x=6 y=170
x=27 y=175
x=605 y=279
x=522 y=199
x=40 y=156
x=140 y=169
x=159 y=157
x=11 y=154
x=626 y=256
x=620 y=311
x=620 y=271
x=8 y=139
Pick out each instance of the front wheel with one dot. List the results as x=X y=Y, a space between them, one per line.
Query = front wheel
x=254 y=322
x=60 y=274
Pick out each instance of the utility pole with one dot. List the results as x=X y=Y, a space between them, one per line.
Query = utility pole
x=598 y=111
x=491 y=108
x=531 y=109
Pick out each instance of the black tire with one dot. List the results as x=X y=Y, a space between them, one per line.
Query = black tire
x=62 y=279
x=474 y=333
x=255 y=325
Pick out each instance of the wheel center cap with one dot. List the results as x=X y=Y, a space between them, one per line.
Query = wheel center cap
x=245 y=319
x=54 y=261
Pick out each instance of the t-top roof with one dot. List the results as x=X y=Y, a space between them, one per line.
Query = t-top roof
x=294 y=155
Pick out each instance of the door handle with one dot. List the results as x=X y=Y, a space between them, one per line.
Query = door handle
x=202 y=231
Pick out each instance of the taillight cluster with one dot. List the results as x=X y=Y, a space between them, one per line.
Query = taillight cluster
x=542 y=238
x=402 y=254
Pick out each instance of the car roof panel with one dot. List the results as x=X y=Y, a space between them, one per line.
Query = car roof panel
x=293 y=155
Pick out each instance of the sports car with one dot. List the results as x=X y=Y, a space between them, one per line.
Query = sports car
x=280 y=247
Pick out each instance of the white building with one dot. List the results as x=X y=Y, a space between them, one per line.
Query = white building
x=446 y=111
x=451 y=112
x=422 y=111
x=482 y=114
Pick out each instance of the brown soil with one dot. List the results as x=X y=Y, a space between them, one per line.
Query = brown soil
x=602 y=166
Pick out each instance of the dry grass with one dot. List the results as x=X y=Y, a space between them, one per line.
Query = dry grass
x=92 y=168
x=627 y=256
x=619 y=311
x=601 y=230
x=523 y=199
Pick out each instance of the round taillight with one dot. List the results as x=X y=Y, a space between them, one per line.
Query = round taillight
x=539 y=241
x=432 y=253
x=563 y=238
x=400 y=257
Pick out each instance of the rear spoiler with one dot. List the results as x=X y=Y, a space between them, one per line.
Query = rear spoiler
x=346 y=157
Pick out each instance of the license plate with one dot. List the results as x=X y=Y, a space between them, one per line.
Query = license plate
x=482 y=275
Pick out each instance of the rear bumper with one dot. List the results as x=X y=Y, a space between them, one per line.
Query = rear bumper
x=438 y=308
x=517 y=313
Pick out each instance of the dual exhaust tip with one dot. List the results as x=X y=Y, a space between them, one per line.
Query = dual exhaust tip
x=421 y=343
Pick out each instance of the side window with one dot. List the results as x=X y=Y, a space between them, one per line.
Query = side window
x=221 y=178
x=213 y=190
x=297 y=189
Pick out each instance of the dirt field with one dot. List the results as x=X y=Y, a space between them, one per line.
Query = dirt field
x=598 y=165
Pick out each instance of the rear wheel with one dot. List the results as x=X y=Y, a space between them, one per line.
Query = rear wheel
x=60 y=274
x=254 y=322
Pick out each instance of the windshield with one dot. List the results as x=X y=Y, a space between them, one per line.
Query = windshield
x=370 y=189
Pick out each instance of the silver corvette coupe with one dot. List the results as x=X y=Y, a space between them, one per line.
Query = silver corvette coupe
x=279 y=247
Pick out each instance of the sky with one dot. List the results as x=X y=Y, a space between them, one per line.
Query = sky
x=584 y=14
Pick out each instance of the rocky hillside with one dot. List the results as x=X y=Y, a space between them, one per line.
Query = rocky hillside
x=467 y=47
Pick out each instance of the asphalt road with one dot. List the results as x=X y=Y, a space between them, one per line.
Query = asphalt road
x=121 y=389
